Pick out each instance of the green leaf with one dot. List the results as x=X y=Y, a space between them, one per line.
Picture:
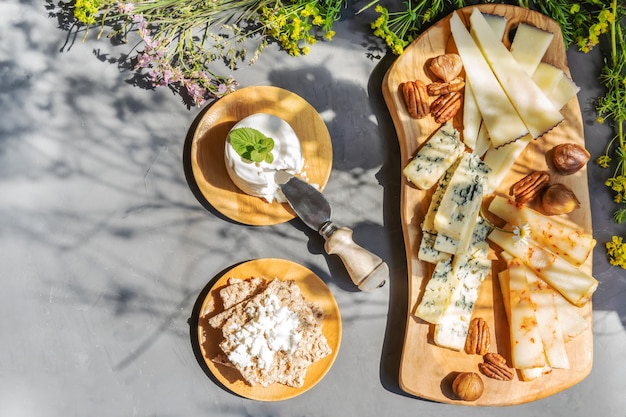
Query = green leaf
x=252 y=144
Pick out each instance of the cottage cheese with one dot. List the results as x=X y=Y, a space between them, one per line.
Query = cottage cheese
x=257 y=179
x=272 y=328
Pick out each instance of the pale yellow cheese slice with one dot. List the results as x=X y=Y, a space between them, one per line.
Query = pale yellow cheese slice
x=529 y=46
x=533 y=106
x=499 y=115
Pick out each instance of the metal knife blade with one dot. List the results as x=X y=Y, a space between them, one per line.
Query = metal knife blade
x=366 y=270
x=308 y=203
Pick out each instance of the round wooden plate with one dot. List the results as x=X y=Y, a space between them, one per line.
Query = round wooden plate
x=313 y=289
x=426 y=370
x=207 y=151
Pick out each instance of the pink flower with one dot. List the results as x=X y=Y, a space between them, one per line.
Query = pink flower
x=125 y=8
x=143 y=60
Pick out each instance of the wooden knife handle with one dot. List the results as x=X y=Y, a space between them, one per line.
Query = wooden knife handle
x=367 y=270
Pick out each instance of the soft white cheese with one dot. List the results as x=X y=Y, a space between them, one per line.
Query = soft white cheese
x=257 y=178
x=272 y=328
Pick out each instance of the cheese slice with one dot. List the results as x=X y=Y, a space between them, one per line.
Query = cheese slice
x=526 y=342
x=573 y=283
x=501 y=159
x=571 y=243
x=426 y=251
x=533 y=106
x=462 y=198
x=435 y=157
x=438 y=293
x=499 y=115
x=527 y=374
x=472 y=118
x=453 y=326
x=547 y=77
x=563 y=92
x=542 y=295
x=474 y=131
x=529 y=46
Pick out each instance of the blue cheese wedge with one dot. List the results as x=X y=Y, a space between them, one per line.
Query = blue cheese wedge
x=426 y=251
x=438 y=293
x=435 y=157
x=461 y=201
x=453 y=326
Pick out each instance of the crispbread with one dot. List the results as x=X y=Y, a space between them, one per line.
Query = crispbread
x=238 y=290
x=288 y=369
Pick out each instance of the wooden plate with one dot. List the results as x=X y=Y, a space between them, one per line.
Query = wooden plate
x=313 y=289
x=207 y=151
x=426 y=370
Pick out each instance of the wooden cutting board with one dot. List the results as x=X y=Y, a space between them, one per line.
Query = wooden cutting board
x=427 y=370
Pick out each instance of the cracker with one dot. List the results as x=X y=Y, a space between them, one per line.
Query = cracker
x=288 y=369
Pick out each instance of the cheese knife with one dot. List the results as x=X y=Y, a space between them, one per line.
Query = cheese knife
x=366 y=270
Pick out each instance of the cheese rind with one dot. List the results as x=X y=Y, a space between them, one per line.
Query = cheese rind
x=435 y=157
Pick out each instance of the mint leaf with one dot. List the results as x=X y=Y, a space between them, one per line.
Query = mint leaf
x=252 y=144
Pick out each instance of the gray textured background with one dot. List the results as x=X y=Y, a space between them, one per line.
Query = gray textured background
x=104 y=249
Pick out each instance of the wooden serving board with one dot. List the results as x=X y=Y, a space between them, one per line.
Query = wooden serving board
x=427 y=370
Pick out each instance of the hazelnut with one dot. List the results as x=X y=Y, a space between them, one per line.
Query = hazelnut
x=558 y=199
x=569 y=158
x=447 y=67
x=468 y=386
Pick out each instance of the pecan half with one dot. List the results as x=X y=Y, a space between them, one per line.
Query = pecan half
x=478 y=337
x=438 y=88
x=415 y=97
x=529 y=187
x=494 y=366
x=446 y=106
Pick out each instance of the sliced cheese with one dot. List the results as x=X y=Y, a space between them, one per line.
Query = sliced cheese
x=438 y=293
x=571 y=243
x=426 y=251
x=533 y=106
x=472 y=118
x=474 y=131
x=573 y=283
x=529 y=46
x=547 y=77
x=497 y=23
x=526 y=343
x=499 y=115
x=500 y=160
x=527 y=374
x=453 y=326
x=435 y=157
x=462 y=198
x=563 y=92
x=543 y=297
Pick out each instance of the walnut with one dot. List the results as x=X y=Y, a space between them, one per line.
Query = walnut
x=529 y=187
x=494 y=366
x=446 y=106
x=478 y=337
x=569 y=158
x=447 y=67
x=415 y=98
x=439 y=88
x=468 y=386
